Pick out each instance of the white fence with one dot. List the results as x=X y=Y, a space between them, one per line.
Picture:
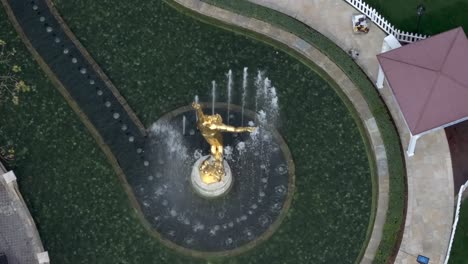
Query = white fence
x=373 y=15
x=457 y=214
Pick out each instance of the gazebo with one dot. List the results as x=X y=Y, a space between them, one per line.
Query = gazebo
x=429 y=80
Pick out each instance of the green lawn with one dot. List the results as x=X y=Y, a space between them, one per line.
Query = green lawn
x=81 y=210
x=395 y=213
x=159 y=59
x=459 y=249
x=440 y=15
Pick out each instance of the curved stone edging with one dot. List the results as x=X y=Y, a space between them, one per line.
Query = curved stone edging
x=98 y=129
x=294 y=42
x=426 y=228
x=102 y=142
x=344 y=83
x=274 y=225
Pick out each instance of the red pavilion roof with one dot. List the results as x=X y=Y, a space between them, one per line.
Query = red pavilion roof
x=429 y=79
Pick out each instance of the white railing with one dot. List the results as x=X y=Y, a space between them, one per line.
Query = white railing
x=457 y=215
x=373 y=15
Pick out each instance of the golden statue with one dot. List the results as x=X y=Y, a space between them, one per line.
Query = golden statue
x=211 y=127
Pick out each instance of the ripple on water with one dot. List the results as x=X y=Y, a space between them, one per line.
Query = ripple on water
x=282 y=169
x=281 y=189
x=276 y=207
x=188 y=240
x=264 y=220
x=198 y=227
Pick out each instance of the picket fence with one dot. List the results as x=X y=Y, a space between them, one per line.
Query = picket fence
x=455 y=223
x=373 y=15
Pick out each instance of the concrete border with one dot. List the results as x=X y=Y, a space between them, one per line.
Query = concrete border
x=106 y=149
x=8 y=180
x=345 y=84
x=428 y=218
x=273 y=227
x=295 y=43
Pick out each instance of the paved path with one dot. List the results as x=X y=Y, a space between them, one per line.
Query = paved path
x=318 y=14
x=429 y=171
x=90 y=93
x=430 y=181
x=86 y=88
x=347 y=86
x=83 y=84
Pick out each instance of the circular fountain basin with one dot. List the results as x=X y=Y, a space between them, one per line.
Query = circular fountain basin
x=249 y=206
x=211 y=190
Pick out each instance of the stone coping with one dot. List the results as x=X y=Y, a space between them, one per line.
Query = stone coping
x=213 y=190
x=21 y=235
x=429 y=217
x=287 y=202
x=344 y=83
x=294 y=42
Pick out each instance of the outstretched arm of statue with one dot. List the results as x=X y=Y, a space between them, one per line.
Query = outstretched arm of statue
x=197 y=108
x=226 y=128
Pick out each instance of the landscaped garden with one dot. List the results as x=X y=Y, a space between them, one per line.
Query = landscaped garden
x=159 y=59
x=395 y=214
x=459 y=255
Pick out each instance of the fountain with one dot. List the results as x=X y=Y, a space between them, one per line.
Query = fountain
x=213 y=97
x=184 y=121
x=212 y=193
x=244 y=92
x=229 y=92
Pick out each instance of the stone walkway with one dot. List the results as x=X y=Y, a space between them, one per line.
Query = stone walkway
x=430 y=182
x=317 y=14
x=86 y=88
x=347 y=86
x=111 y=121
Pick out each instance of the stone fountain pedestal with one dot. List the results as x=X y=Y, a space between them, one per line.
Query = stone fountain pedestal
x=212 y=190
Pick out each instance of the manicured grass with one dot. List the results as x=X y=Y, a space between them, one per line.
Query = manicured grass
x=159 y=59
x=460 y=245
x=176 y=57
x=440 y=15
x=395 y=214
x=81 y=210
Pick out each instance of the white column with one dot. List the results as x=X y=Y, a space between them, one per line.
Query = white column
x=380 y=78
x=9 y=177
x=389 y=43
x=412 y=145
x=43 y=257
